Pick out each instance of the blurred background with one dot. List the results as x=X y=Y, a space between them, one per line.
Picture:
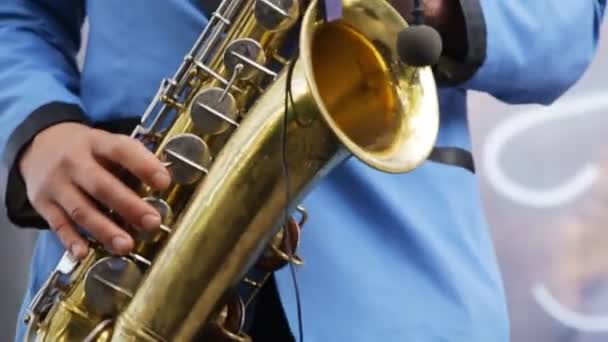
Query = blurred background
x=544 y=175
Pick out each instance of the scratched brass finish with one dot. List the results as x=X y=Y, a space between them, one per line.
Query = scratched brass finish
x=350 y=96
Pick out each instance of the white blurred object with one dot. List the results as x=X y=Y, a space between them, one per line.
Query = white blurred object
x=502 y=135
x=541 y=167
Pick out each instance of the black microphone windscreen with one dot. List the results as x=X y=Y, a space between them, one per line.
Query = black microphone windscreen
x=419 y=45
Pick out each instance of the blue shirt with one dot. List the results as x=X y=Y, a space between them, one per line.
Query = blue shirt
x=388 y=257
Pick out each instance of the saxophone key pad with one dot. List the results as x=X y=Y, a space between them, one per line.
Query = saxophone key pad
x=248 y=53
x=213 y=111
x=276 y=15
x=188 y=158
x=110 y=284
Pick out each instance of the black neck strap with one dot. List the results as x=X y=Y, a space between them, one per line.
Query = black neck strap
x=454 y=156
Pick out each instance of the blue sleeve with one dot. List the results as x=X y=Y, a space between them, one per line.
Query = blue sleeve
x=536 y=49
x=39 y=40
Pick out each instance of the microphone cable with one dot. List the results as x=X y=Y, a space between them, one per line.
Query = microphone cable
x=290 y=249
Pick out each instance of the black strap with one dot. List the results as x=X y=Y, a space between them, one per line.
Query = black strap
x=454 y=156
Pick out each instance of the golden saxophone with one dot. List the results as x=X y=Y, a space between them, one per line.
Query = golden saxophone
x=245 y=131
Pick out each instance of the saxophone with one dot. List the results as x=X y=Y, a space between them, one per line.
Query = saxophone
x=246 y=130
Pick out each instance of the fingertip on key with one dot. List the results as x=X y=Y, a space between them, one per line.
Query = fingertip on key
x=121 y=244
x=161 y=179
x=150 y=221
x=78 y=250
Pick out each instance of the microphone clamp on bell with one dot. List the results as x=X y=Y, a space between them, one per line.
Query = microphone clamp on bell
x=419 y=45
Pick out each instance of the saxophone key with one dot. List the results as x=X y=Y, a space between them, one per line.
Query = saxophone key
x=303 y=215
x=212 y=114
x=205 y=70
x=189 y=156
x=229 y=322
x=166 y=215
x=277 y=15
x=250 y=54
x=252 y=282
x=110 y=284
x=282 y=248
x=140 y=259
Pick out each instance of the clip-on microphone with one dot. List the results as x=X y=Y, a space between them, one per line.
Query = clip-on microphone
x=419 y=45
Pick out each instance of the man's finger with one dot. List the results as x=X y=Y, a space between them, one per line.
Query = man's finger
x=64 y=228
x=81 y=211
x=112 y=193
x=133 y=156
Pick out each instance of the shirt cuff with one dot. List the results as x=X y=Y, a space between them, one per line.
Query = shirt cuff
x=451 y=71
x=41 y=118
x=19 y=209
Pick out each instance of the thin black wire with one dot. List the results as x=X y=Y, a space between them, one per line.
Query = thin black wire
x=288 y=99
x=417 y=12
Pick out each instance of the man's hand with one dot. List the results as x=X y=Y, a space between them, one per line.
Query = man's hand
x=66 y=170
